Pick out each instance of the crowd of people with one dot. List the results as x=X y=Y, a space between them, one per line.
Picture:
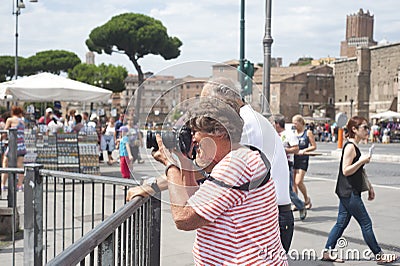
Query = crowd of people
x=107 y=130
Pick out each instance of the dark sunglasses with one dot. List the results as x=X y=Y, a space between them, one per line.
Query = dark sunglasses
x=364 y=127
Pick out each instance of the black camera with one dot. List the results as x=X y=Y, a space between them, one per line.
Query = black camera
x=177 y=138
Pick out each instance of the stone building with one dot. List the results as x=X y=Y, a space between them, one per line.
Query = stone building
x=190 y=88
x=157 y=99
x=229 y=69
x=306 y=90
x=359 y=33
x=369 y=82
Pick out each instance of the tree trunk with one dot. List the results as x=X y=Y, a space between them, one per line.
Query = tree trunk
x=138 y=92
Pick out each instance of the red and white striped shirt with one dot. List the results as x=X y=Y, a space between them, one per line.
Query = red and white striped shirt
x=243 y=228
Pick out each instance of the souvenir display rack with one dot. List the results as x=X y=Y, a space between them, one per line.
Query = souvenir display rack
x=46 y=148
x=89 y=153
x=30 y=143
x=68 y=152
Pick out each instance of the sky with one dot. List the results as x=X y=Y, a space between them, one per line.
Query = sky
x=208 y=29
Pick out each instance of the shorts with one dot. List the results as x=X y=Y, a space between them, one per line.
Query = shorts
x=107 y=143
x=124 y=163
x=300 y=162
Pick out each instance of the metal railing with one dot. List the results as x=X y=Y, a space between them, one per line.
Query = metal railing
x=64 y=211
x=125 y=238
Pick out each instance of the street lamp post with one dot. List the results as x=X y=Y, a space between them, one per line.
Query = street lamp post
x=267 y=43
x=351 y=107
x=17 y=11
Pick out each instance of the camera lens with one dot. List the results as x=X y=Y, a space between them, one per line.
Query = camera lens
x=177 y=138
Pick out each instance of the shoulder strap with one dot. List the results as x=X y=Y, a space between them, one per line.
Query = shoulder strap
x=248 y=185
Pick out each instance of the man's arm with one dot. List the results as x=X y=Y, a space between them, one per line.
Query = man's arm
x=292 y=149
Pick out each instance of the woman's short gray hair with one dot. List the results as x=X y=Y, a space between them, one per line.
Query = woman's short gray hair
x=223 y=88
x=214 y=116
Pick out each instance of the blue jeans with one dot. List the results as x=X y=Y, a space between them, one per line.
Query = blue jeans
x=348 y=207
x=293 y=196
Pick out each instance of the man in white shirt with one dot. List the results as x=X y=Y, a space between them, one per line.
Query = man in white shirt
x=291 y=145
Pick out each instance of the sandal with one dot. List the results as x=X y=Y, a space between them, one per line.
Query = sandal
x=308 y=204
x=327 y=257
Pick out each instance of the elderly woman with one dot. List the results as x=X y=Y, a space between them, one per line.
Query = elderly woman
x=234 y=226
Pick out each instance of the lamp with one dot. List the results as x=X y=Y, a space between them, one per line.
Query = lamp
x=351 y=107
x=17 y=11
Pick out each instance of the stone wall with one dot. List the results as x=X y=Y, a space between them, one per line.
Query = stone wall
x=385 y=62
x=346 y=85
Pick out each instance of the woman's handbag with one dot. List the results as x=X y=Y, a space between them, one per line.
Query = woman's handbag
x=365 y=182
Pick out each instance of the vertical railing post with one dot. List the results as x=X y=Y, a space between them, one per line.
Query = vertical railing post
x=12 y=163
x=155 y=229
x=33 y=215
x=107 y=251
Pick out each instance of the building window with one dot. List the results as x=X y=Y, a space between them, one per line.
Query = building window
x=345 y=98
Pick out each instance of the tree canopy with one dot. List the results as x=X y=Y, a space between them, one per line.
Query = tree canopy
x=53 y=61
x=7 y=64
x=108 y=77
x=135 y=35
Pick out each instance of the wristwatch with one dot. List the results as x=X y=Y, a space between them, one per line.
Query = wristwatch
x=152 y=181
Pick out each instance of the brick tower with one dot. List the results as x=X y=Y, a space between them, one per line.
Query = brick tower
x=359 y=33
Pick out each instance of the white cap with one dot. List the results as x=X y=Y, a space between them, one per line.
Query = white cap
x=93 y=116
x=49 y=110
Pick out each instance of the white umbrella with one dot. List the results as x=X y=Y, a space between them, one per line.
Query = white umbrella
x=46 y=87
x=386 y=115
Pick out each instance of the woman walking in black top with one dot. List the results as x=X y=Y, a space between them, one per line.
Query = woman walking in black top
x=349 y=187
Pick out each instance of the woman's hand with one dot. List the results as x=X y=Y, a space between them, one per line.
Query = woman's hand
x=365 y=159
x=163 y=155
x=371 y=192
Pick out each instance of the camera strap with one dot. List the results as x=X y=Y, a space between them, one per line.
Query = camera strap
x=246 y=186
